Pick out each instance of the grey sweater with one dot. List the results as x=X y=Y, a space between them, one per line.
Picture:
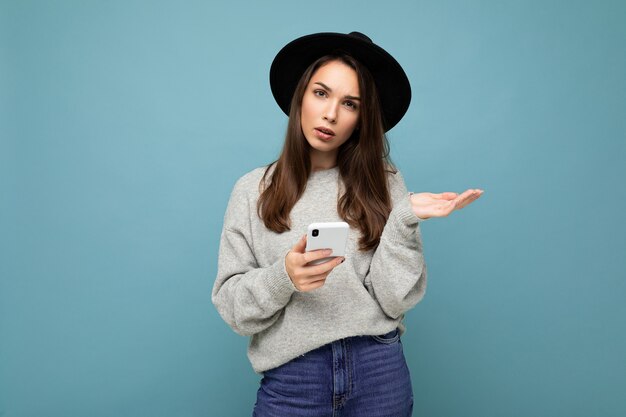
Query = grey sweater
x=367 y=294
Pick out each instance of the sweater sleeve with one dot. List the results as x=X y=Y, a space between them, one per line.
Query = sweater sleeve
x=249 y=298
x=397 y=274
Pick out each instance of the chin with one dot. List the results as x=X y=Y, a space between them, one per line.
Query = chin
x=323 y=147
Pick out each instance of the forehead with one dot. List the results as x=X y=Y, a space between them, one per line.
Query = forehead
x=337 y=75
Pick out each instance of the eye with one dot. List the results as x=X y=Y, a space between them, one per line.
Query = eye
x=350 y=104
x=319 y=93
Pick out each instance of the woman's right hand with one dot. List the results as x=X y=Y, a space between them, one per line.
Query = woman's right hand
x=308 y=277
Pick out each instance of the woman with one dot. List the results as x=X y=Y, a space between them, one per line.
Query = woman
x=327 y=337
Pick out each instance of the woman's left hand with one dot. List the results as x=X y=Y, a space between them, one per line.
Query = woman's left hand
x=426 y=205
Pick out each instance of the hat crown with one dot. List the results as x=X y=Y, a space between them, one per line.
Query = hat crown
x=361 y=36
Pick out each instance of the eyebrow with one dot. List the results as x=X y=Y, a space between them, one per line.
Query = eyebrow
x=331 y=90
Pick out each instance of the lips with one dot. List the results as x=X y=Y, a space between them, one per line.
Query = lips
x=324 y=133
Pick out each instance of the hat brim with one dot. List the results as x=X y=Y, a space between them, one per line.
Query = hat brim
x=391 y=81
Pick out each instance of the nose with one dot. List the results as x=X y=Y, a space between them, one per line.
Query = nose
x=330 y=112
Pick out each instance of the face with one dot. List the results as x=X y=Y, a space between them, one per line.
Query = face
x=330 y=109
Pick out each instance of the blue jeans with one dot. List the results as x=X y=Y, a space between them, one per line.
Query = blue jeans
x=362 y=376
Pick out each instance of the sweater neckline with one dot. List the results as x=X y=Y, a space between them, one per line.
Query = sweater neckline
x=325 y=172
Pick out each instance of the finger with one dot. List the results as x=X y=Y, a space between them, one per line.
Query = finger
x=300 y=246
x=314 y=255
x=466 y=194
x=324 y=268
x=468 y=199
x=307 y=278
x=463 y=196
x=310 y=286
x=316 y=278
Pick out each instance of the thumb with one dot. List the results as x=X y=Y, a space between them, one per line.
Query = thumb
x=300 y=246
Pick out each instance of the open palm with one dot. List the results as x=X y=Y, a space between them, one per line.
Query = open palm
x=426 y=205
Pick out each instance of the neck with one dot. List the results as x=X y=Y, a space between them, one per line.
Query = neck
x=323 y=160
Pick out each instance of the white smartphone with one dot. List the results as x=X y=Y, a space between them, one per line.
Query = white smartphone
x=331 y=235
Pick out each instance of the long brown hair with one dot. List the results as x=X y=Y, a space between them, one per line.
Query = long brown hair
x=363 y=162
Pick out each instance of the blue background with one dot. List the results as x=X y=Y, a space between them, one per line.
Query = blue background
x=124 y=125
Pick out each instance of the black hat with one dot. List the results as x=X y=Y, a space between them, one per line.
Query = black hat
x=391 y=82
